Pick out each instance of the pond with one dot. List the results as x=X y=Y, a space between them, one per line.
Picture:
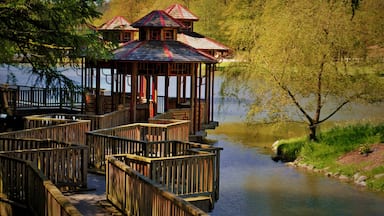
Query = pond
x=251 y=183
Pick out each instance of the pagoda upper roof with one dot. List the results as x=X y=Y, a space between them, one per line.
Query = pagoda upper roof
x=160 y=51
x=159 y=19
x=200 y=42
x=178 y=11
x=117 y=23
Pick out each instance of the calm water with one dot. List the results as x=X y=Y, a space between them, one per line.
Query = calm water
x=252 y=184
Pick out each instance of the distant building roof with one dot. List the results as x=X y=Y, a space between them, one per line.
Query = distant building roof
x=200 y=42
x=158 y=18
x=178 y=11
x=160 y=51
x=117 y=23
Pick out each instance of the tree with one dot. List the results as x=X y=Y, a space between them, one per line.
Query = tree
x=310 y=56
x=47 y=34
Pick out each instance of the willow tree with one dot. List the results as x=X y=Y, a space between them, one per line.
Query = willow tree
x=311 y=57
x=47 y=34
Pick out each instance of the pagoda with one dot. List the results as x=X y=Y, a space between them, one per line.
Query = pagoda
x=194 y=39
x=117 y=30
x=153 y=76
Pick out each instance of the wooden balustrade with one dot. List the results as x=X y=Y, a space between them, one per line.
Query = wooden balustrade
x=23 y=183
x=12 y=144
x=135 y=194
x=27 y=97
x=182 y=175
x=66 y=167
x=102 y=145
x=71 y=132
x=108 y=120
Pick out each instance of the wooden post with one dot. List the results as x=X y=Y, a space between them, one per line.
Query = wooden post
x=134 y=81
x=178 y=88
x=113 y=101
x=208 y=93
x=199 y=101
x=98 y=92
x=166 y=105
x=212 y=91
x=193 y=98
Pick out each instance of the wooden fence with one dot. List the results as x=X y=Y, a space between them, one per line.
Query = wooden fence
x=132 y=139
x=21 y=182
x=157 y=130
x=36 y=97
x=108 y=120
x=187 y=175
x=65 y=165
x=72 y=132
x=135 y=194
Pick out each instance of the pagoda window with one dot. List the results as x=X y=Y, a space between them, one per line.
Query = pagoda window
x=168 y=35
x=155 y=34
x=125 y=37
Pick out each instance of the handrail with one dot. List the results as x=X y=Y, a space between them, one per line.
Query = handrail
x=66 y=166
x=137 y=195
x=71 y=132
x=22 y=182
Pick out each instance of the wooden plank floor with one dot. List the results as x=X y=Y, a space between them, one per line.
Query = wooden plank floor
x=93 y=201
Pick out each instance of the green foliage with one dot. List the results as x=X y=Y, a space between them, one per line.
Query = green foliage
x=309 y=56
x=289 y=150
x=47 y=34
x=332 y=144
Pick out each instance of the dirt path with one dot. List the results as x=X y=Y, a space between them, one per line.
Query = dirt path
x=368 y=162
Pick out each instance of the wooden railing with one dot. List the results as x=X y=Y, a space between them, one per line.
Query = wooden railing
x=65 y=165
x=135 y=194
x=108 y=120
x=187 y=175
x=21 y=182
x=36 y=97
x=68 y=132
x=157 y=130
x=132 y=139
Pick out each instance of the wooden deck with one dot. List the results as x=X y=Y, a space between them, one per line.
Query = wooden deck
x=177 y=170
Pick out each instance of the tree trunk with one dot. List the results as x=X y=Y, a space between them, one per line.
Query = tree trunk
x=312 y=132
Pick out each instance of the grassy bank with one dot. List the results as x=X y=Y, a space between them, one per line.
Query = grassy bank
x=333 y=144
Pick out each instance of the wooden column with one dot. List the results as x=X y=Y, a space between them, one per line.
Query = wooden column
x=134 y=83
x=208 y=93
x=212 y=91
x=166 y=87
x=199 y=99
x=184 y=88
x=178 y=94
x=193 y=98
x=98 y=92
x=113 y=101
x=154 y=94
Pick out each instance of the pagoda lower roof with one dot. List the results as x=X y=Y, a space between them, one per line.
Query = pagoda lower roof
x=200 y=42
x=160 y=51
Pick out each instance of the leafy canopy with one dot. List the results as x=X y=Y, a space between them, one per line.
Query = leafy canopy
x=47 y=34
x=313 y=57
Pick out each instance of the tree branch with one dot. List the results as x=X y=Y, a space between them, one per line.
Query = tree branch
x=335 y=111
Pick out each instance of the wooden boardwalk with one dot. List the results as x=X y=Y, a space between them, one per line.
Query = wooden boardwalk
x=154 y=142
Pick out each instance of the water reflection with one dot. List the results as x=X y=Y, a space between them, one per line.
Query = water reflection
x=252 y=184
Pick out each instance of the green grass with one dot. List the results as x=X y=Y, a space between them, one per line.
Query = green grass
x=331 y=145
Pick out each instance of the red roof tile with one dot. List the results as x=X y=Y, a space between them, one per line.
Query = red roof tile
x=200 y=42
x=117 y=23
x=158 y=18
x=160 y=51
x=178 y=11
